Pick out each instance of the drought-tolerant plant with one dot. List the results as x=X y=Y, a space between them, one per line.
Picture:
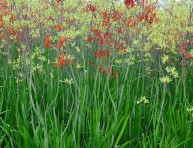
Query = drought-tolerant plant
x=96 y=74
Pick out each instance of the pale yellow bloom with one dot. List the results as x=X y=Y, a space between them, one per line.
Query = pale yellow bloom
x=165 y=79
x=164 y=58
x=143 y=100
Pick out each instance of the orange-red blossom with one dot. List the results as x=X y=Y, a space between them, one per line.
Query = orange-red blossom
x=62 y=60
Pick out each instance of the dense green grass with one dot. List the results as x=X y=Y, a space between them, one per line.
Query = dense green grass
x=94 y=111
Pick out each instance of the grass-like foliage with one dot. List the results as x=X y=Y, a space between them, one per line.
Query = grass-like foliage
x=99 y=74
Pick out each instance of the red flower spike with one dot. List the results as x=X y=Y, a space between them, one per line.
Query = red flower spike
x=101 y=54
x=191 y=63
x=61 y=41
x=94 y=15
x=90 y=7
x=107 y=71
x=117 y=43
x=120 y=30
x=187 y=55
x=47 y=41
x=100 y=69
x=122 y=48
x=60 y=61
x=90 y=38
x=116 y=16
x=107 y=35
x=106 y=18
x=58 y=27
x=101 y=42
x=115 y=74
x=129 y=3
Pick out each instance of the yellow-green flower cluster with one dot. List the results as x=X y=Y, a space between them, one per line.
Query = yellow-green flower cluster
x=143 y=100
x=190 y=110
x=165 y=58
x=172 y=71
x=68 y=81
x=165 y=79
